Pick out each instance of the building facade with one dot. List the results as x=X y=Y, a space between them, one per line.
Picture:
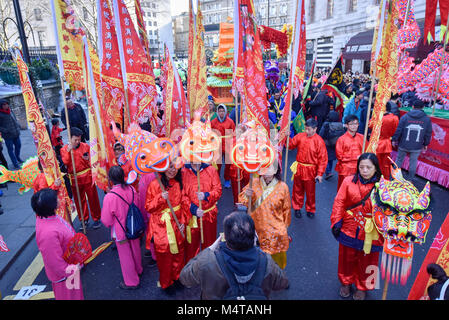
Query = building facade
x=181 y=35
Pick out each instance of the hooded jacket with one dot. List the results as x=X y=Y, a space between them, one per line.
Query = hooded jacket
x=204 y=270
x=414 y=131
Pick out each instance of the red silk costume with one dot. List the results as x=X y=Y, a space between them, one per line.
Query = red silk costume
x=40 y=182
x=311 y=159
x=226 y=129
x=55 y=134
x=352 y=260
x=85 y=184
x=210 y=185
x=347 y=150
x=168 y=241
x=244 y=180
x=390 y=123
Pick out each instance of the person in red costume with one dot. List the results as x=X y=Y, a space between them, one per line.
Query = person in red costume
x=86 y=187
x=226 y=127
x=235 y=176
x=168 y=241
x=348 y=149
x=352 y=210
x=56 y=139
x=311 y=162
x=209 y=195
x=390 y=123
x=40 y=182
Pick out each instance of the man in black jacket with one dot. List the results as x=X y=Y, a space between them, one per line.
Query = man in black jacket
x=77 y=118
x=412 y=136
x=320 y=107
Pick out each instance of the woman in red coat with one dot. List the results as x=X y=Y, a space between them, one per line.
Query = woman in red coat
x=352 y=226
x=168 y=240
x=210 y=193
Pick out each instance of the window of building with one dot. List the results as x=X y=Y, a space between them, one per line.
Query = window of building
x=352 y=6
x=376 y=2
x=330 y=9
x=85 y=13
x=154 y=14
x=155 y=23
x=312 y=6
x=149 y=23
x=42 y=38
x=38 y=14
x=283 y=10
x=273 y=11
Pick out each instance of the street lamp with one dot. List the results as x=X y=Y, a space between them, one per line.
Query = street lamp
x=20 y=28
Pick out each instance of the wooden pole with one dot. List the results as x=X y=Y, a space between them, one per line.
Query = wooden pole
x=237 y=116
x=72 y=157
x=385 y=290
x=169 y=205
x=288 y=130
x=200 y=205
x=435 y=95
x=365 y=134
x=250 y=205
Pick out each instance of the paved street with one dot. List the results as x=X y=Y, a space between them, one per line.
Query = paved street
x=311 y=265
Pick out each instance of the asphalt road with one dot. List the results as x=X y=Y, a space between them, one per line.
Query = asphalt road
x=311 y=259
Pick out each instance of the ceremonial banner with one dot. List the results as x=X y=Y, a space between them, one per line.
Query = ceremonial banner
x=140 y=88
x=191 y=57
x=335 y=82
x=142 y=30
x=387 y=68
x=98 y=158
x=249 y=74
x=198 y=94
x=298 y=64
x=45 y=150
x=429 y=24
x=308 y=86
x=439 y=254
x=68 y=37
x=112 y=89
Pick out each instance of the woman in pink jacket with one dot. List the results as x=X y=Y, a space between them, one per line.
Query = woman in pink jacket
x=114 y=210
x=52 y=236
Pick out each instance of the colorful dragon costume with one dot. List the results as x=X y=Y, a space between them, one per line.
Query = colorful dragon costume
x=199 y=143
x=25 y=176
x=253 y=150
x=146 y=152
x=402 y=215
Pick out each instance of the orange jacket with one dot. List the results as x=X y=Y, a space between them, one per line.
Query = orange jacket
x=40 y=182
x=311 y=155
x=347 y=150
x=222 y=127
x=157 y=206
x=390 y=123
x=82 y=166
x=350 y=193
x=210 y=184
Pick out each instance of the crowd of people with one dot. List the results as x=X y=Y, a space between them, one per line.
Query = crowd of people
x=253 y=249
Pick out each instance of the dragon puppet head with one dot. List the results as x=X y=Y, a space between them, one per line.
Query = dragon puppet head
x=401 y=214
x=272 y=70
x=199 y=143
x=253 y=150
x=146 y=152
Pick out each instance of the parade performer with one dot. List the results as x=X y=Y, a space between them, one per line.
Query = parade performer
x=389 y=125
x=348 y=148
x=40 y=182
x=56 y=139
x=277 y=104
x=113 y=215
x=271 y=212
x=122 y=161
x=53 y=235
x=310 y=165
x=168 y=241
x=225 y=126
x=353 y=228
x=86 y=187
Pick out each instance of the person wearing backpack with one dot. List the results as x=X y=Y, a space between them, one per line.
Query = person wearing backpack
x=114 y=214
x=168 y=233
x=234 y=268
x=331 y=130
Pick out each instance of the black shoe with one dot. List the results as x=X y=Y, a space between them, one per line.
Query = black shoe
x=125 y=287
x=170 y=291
x=311 y=214
x=151 y=261
x=298 y=214
x=178 y=285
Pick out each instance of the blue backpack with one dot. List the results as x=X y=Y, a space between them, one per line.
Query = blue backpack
x=135 y=226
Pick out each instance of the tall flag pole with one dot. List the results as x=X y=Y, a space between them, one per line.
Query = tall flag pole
x=139 y=85
x=191 y=56
x=387 y=68
x=45 y=152
x=296 y=80
x=249 y=77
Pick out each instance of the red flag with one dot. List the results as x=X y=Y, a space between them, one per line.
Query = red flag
x=298 y=65
x=140 y=88
x=249 y=76
x=142 y=29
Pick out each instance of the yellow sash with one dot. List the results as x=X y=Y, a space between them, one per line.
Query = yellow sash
x=193 y=223
x=294 y=167
x=80 y=173
x=166 y=217
x=370 y=233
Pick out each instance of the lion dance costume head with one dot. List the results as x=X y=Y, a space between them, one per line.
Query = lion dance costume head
x=402 y=215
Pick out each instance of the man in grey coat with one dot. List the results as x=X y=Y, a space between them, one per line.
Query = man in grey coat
x=412 y=136
x=10 y=130
x=241 y=257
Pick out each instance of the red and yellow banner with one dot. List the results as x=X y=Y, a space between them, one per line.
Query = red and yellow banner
x=387 y=68
x=45 y=150
x=138 y=81
x=249 y=75
x=298 y=64
x=69 y=43
x=142 y=30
